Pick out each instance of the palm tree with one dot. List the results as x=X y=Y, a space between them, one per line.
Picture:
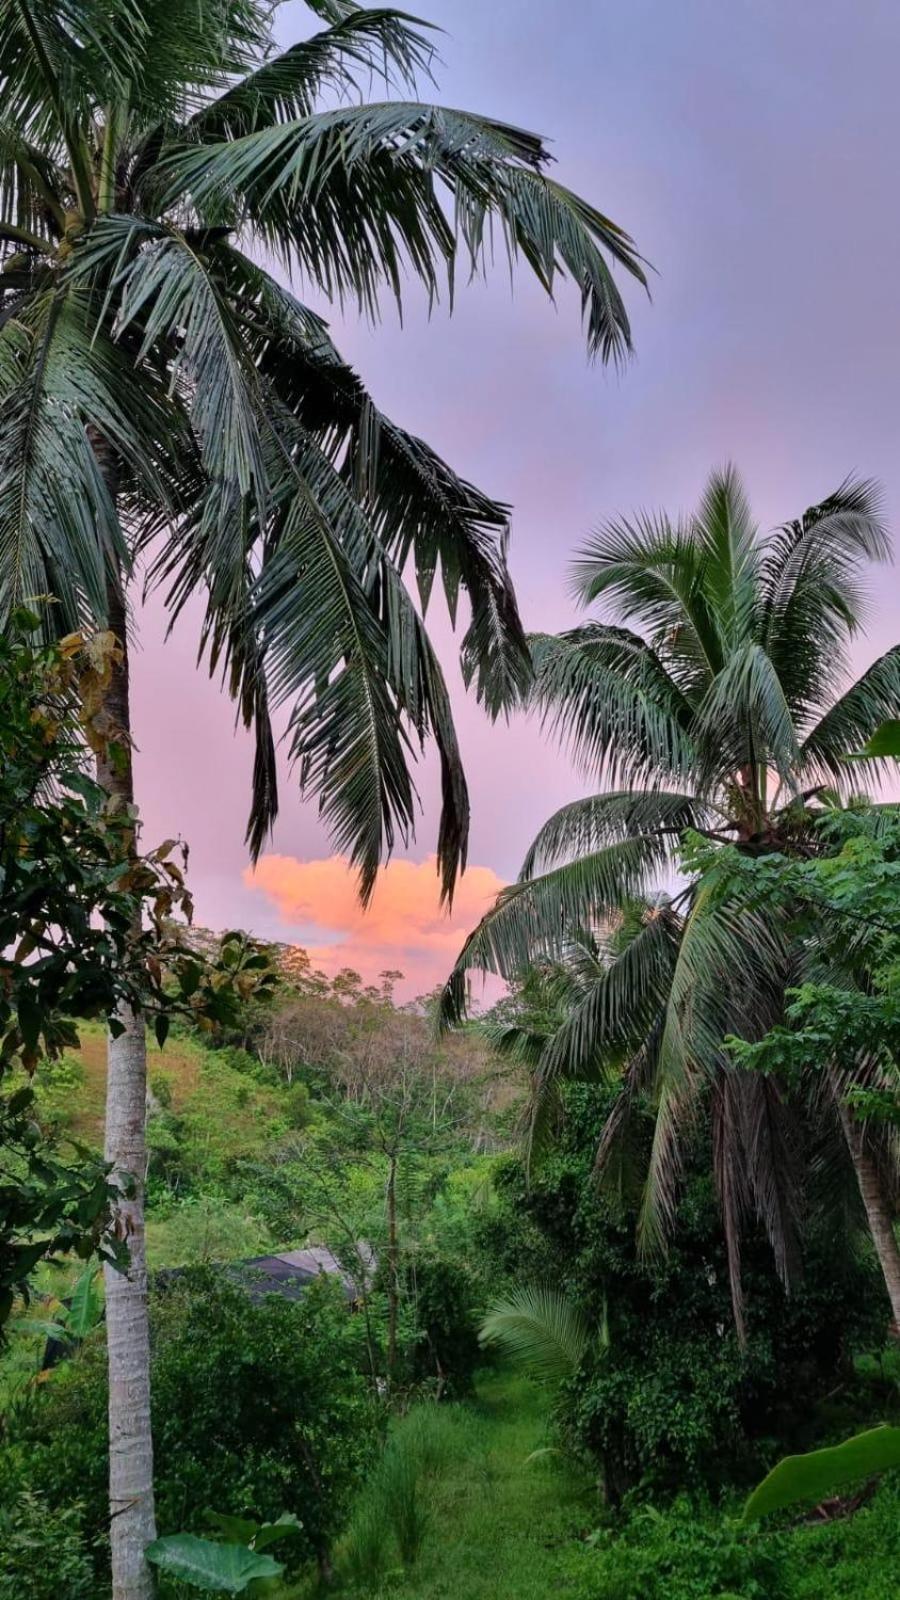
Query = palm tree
x=165 y=399
x=710 y=698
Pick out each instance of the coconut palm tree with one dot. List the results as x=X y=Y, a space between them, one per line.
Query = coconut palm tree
x=711 y=697
x=165 y=399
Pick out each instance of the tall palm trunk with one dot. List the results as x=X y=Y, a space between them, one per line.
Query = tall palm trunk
x=878 y=1209
x=131 y=1505
x=393 y=1270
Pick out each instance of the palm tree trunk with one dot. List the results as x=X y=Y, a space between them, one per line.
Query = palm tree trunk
x=878 y=1210
x=131 y=1505
x=393 y=1271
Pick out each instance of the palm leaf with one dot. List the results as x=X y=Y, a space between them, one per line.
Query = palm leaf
x=361 y=43
x=356 y=197
x=605 y=693
x=538 y=917
x=416 y=504
x=851 y=720
x=540 y=1328
x=585 y=825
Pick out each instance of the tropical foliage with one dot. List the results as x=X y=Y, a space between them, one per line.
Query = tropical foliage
x=147 y=156
x=710 y=699
x=66 y=913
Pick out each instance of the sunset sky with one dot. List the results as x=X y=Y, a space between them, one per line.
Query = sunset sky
x=751 y=148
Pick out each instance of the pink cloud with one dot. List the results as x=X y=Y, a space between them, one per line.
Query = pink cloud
x=404 y=927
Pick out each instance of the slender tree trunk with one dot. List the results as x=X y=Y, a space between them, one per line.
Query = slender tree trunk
x=393 y=1269
x=878 y=1211
x=132 y=1515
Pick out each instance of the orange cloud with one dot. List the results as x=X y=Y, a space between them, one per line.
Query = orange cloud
x=404 y=926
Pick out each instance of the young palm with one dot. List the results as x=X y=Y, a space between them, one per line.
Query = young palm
x=164 y=399
x=713 y=699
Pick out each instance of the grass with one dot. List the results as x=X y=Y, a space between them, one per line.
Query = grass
x=494 y=1522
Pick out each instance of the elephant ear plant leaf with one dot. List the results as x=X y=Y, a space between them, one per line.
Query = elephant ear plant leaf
x=236 y=1566
x=212 y=1568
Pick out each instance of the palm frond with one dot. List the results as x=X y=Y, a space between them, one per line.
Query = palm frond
x=420 y=509
x=847 y=725
x=538 y=917
x=726 y=538
x=360 y=196
x=585 y=825
x=811 y=592
x=729 y=977
x=378 y=42
x=605 y=693
x=617 y=1011
x=649 y=571
x=59 y=531
x=745 y=719
x=540 y=1328
x=345 y=646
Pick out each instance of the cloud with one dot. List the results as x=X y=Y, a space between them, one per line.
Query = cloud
x=404 y=928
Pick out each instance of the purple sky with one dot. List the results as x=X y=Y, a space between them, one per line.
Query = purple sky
x=751 y=149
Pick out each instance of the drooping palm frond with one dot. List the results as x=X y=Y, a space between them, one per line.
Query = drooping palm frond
x=361 y=44
x=847 y=725
x=359 y=196
x=586 y=825
x=540 y=1328
x=617 y=1011
x=538 y=917
x=419 y=508
x=59 y=529
x=605 y=693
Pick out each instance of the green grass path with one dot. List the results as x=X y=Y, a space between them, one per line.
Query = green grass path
x=499 y=1522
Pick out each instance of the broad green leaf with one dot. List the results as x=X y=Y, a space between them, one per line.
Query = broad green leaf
x=287 y=1526
x=820 y=1473
x=85 y=1307
x=234 y=1530
x=885 y=741
x=213 y=1568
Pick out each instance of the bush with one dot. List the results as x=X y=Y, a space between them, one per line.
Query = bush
x=447 y=1347
x=297 y=1106
x=672 y=1399
x=161 y=1090
x=679 y=1555
x=43 y=1557
x=257 y=1409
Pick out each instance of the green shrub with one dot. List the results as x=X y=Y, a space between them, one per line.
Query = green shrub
x=401 y=1485
x=161 y=1090
x=447 y=1347
x=43 y=1556
x=257 y=1409
x=57 y=1085
x=852 y=1558
x=297 y=1106
x=671 y=1399
x=393 y=1513
x=680 y=1555
x=204 y=1228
